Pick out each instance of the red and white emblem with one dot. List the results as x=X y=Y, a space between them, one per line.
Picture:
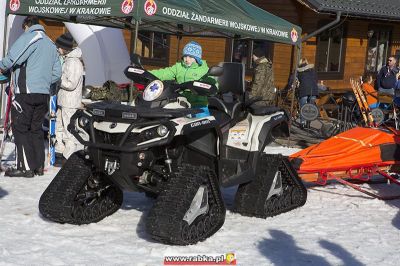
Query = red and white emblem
x=150 y=7
x=294 y=35
x=127 y=6
x=14 y=5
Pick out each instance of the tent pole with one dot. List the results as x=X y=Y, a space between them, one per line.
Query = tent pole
x=134 y=41
x=178 y=48
x=5 y=35
x=134 y=38
x=293 y=87
x=179 y=37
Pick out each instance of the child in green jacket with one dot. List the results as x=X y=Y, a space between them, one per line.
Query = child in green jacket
x=190 y=68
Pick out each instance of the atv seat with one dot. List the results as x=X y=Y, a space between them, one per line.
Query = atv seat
x=255 y=109
x=230 y=108
x=221 y=117
x=231 y=81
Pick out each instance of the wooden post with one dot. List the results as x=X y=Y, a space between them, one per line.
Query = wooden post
x=293 y=87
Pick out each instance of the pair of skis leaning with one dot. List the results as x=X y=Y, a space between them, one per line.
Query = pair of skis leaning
x=52 y=128
x=362 y=103
x=7 y=132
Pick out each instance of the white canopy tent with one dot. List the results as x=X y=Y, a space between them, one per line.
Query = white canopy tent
x=105 y=53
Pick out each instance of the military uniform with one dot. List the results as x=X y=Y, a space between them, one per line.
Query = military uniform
x=263 y=81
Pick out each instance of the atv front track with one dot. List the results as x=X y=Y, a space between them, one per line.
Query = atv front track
x=165 y=221
x=252 y=198
x=74 y=197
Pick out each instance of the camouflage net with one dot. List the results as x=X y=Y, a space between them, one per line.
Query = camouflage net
x=110 y=91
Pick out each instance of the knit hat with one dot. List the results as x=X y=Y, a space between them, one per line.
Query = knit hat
x=259 y=52
x=65 y=41
x=193 y=49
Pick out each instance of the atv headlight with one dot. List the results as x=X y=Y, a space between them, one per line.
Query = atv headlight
x=83 y=121
x=155 y=132
x=153 y=90
x=162 y=130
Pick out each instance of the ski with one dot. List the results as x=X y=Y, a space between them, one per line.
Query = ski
x=52 y=129
x=7 y=121
x=365 y=104
x=362 y=103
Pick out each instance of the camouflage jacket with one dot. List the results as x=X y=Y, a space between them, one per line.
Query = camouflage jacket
x=109 y=92
x=263 y=81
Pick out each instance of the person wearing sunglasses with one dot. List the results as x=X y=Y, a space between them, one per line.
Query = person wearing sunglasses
x=386 y=78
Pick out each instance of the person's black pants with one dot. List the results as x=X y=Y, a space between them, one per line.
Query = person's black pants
x=27 y=115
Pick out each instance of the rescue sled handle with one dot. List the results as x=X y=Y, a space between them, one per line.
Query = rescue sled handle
x=227 y=18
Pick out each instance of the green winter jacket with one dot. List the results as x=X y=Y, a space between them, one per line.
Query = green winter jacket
x=182 y=73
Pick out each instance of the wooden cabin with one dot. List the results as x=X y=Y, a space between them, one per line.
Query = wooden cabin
x=365 y=35
x=360 y=41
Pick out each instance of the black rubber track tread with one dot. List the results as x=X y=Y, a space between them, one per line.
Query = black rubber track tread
x=165 y=220
x=251 y=198
x=58 y=202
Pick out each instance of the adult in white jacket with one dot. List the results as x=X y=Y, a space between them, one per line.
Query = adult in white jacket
x=69 y=96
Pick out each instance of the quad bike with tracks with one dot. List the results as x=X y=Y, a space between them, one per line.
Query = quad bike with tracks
x=159 y=146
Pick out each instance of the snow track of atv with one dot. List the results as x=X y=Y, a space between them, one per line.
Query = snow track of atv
x=165 y=221
x=252 y=198
x=70 y=199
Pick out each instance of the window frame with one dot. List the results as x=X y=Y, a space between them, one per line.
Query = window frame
x=155 y=61
x=376 y=28
x=337 y=75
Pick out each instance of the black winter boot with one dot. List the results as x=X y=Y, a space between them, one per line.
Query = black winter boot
x=39 y=171
x=19 y=173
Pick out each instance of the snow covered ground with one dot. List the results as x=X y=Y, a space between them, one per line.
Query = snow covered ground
x=337 y=226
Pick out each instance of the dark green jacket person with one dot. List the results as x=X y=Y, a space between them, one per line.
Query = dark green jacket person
x=190 y=68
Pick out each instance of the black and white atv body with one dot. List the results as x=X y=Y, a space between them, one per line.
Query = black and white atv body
x=159 y=147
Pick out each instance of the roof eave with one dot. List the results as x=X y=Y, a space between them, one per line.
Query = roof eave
x=321 y=9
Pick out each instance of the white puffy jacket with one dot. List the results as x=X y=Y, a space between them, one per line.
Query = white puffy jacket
x=70 y=93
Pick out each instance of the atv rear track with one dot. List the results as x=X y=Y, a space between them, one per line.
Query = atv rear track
x=252 y=198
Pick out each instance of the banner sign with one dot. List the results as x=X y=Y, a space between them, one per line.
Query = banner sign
x=72 y=7
x=234 y=16
x=228 y=23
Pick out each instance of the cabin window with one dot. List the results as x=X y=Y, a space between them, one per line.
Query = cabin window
x=330 y=53
x=242 y=51
x=378 y=48
x=153 y=47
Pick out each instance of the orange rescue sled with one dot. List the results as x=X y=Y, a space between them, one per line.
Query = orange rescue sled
x=358 y=153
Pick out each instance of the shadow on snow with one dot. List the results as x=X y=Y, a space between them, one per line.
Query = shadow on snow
x=281 y=249
x=3 y=193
